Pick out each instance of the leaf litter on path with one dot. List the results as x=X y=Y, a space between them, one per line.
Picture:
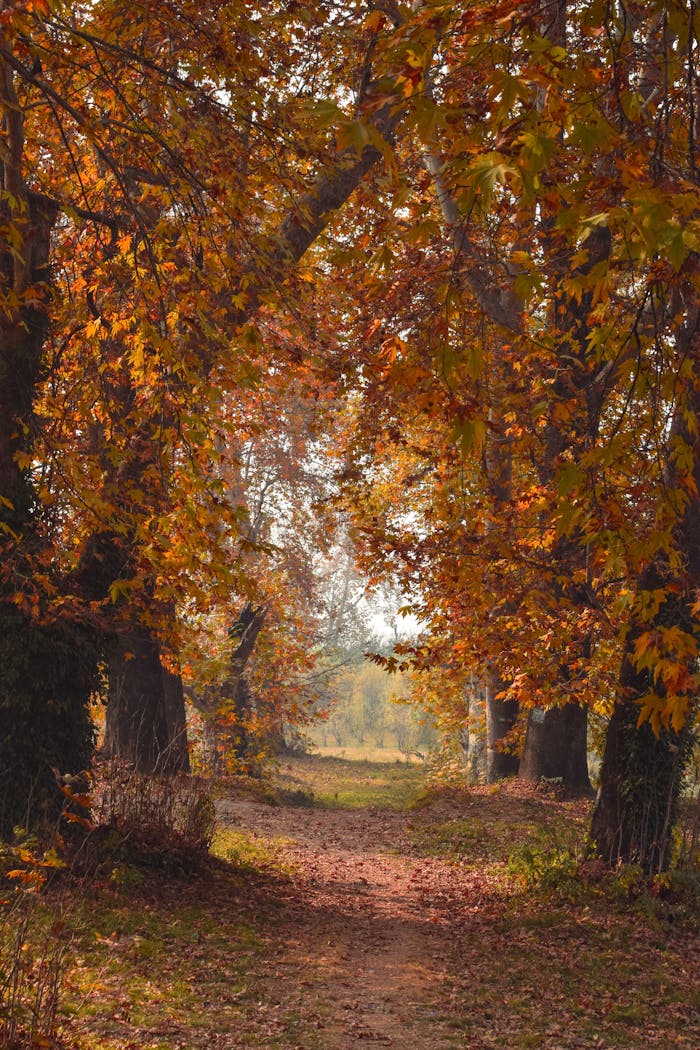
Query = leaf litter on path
x=400 y=949
x=340 y=928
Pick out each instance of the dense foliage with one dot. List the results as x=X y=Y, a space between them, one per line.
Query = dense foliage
x=446 y=252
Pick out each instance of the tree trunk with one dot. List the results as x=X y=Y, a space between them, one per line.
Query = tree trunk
x=242 y=704
x=47 y=671
x=473 y=738
x=236 y=690
x=176 y=721
x=640 y=781
x=211 y=745
x=137 y=728
x=140 y=687
x=22 y=333
x=225 y=718
x=501 y=717
x=226 y=710
x=556 y=748
x=641 y=774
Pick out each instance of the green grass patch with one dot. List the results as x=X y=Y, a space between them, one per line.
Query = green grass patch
x=346 y=784
x=181 y=959
x=247 y=852
x=471 y=841
x=526 y=846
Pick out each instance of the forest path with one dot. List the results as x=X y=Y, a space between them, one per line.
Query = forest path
x=369 y=933
x=347 y=923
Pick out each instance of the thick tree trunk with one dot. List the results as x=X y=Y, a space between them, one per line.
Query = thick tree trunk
x=47 y=674
x=140 y=689
x=640 y=782
x=556 y=748
x=225 y=716
x=137 y=728
x=210 y=753
x=501 y=717
x=22 y=333
x=642 y=773
x=47 y=671
x=176 y=721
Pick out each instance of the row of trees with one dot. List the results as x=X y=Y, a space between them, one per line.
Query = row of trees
x=370 y=710
x=525 y=457
x=154 y=200
x=454 y=246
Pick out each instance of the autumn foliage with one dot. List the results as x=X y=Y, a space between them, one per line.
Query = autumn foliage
x=431 y=268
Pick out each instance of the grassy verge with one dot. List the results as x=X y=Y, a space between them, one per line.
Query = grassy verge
x=558 y=954
x=488 y=827
x=163 y=963
x=338 y=782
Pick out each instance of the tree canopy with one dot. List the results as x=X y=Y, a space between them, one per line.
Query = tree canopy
x=430 y=270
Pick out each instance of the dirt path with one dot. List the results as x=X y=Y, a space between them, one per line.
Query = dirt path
x=370 y=933
x=357 y=941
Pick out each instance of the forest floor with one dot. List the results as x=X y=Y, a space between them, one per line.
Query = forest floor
x=352 y=912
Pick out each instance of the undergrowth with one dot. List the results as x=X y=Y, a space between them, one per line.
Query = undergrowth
x=122 y=825
x=156 y=819
x=34 y=940
x=544 y=853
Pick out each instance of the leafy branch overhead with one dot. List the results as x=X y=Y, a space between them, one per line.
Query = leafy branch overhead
x=426 y=277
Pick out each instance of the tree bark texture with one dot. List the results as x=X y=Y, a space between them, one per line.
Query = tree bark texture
x=140 y=688
x=175 y=717
x=641 y=773
x=47 y=671
x=640 y=781
x=501 y=716
x=473 y=738
x=556 y=748
x=143 y=717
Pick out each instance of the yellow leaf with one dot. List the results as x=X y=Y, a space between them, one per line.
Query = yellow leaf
x=373 y=22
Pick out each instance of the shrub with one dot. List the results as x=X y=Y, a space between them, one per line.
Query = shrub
x=552 y=870
x=33 y=947
x=161 y=821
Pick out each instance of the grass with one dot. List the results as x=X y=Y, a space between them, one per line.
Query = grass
x=172 y=962
x=345 y=784
x=365 y=753
x=141 y=965
x=249 y=853
x=555 y=958
x=567 y=976
x=483 y=827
